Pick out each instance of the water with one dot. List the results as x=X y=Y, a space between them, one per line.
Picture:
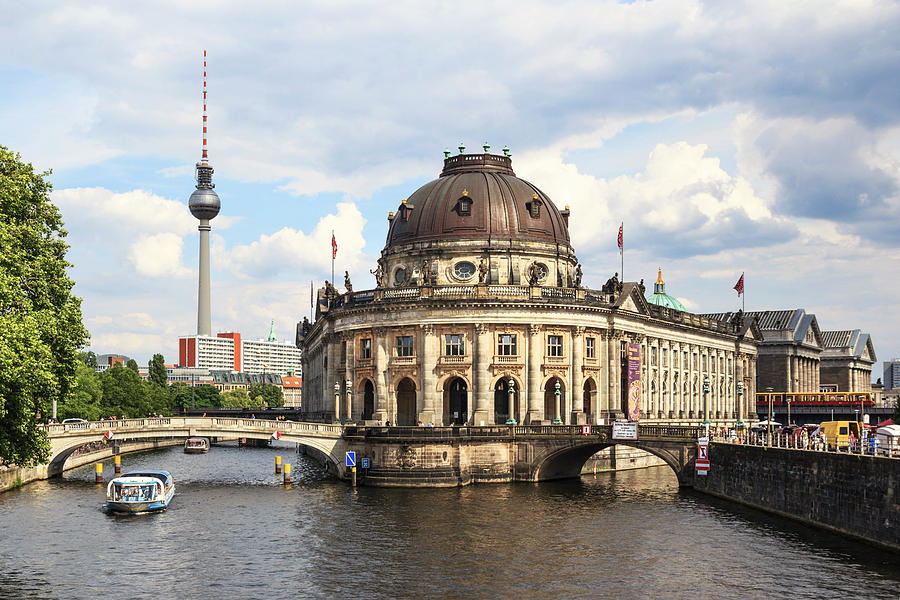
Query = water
x=233 y=531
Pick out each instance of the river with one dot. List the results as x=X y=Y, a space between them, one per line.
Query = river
x=233 y=531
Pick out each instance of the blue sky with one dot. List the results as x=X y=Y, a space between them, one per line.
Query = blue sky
x=758 y=137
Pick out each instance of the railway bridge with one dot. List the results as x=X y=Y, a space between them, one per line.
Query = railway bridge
x=408 y=456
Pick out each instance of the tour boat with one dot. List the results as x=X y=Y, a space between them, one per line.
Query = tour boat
x=196 y=445
x=140 y=491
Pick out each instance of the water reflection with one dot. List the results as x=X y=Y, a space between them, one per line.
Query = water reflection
x=234 y=530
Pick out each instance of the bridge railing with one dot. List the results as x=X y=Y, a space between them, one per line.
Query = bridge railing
x=671 y=432
x=185 y=422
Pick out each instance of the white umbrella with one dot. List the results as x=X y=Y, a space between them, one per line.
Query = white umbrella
x=767 y=423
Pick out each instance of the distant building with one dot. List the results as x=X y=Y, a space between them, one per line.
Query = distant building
x=846 y=362
x=193 y=376
x=228 y=351
x=226 y=381
x=292 y=388
x=891 y=376
x=107 y=361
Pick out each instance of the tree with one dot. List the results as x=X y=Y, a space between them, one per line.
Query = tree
x=84 y=402
x=156 y=370
x=40 y=319
x=124 y=393
x=204 y=396
x=237 y=399
x=271 y=395
x=132 y=364
x=88 y=358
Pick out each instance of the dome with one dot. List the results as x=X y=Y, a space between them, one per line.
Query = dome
x=478 y=197
x=661 y=298
x=204 y=202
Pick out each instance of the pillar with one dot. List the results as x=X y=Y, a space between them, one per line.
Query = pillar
x=430 y=345
x=484 y=355
x=204 y=324
x=349 y=378
x=535 y=396
x=381 y=375
x=577 y=379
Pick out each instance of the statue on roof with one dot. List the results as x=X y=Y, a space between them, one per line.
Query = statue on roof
x=578 y=275
x=347 y=283
x=426 y=273
x=482 y=271
x=534 y=274
x=379 y=276
x=642 y=287
x=612 y=285
x=330 y=290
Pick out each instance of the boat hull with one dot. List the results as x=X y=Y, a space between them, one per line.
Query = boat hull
x=196 y=450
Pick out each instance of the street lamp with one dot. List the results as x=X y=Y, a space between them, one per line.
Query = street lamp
x=556 y=392
x=740 y=393
x=706 y=404
x=511 y=391
x=349 y=387
x=858 y=427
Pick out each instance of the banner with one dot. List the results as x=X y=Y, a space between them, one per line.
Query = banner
x=634 y=382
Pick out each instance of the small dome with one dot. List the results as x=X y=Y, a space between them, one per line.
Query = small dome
x=204 y=203
x=661 y=298
x=478 y=196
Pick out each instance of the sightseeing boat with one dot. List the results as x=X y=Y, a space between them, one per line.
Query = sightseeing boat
x=140 y=491
x=196 y=445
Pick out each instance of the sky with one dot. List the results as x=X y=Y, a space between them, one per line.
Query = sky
x=757 y=137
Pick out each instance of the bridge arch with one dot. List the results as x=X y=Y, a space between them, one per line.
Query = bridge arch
x=568 y=462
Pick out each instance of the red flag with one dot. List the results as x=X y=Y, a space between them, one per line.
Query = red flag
x=739 y=286
x=620 y=237
x=333 y=246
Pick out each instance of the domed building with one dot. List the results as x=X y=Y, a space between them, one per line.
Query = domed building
x=480 y=316
x=661 y=298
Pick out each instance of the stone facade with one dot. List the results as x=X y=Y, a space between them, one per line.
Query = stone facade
x=479 y=316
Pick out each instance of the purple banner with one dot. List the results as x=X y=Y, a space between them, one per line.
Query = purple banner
x=634 y=382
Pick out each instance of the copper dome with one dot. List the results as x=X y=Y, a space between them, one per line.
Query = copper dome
x=478 y=196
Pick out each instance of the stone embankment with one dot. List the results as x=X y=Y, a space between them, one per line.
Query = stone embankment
x=12 y=477
x=621 y=458
x=846 y=493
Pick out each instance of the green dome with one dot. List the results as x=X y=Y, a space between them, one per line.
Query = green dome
x=661 y=298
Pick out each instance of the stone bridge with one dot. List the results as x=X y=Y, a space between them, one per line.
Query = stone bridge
x=323 y=439
x=408 y=456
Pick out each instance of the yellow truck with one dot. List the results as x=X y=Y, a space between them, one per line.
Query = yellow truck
x=837 y=434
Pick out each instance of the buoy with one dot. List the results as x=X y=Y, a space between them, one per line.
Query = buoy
x=353 y=476
x=277 y=465
x=118 y=464
x=287 y=472
x=98 y=473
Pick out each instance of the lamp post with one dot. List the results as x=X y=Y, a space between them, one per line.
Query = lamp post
x=511 y=391
x=706 y=404
x=348 y=385
x=858 y=428
x=740 y=394
x=337 y=401
x=556 y=392
x=771 y=400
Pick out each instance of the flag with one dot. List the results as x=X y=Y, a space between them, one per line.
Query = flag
x=621 y=227
x=276 y=435
x=739 y=286
x=333 y=246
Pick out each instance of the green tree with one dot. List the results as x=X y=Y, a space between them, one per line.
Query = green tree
x=271 y=395
x=88 y=358
x=40 y=319
x=204 y=396
x=132 y=364
x=156 y=370
x=236 y=399
x=84 y=402
x=159 y=399
x=124 y=393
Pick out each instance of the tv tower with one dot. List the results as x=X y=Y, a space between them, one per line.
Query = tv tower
x=204 y=205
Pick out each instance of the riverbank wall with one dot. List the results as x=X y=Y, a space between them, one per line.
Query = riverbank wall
x=13 y=477
x=621 y=458
x=845 y=493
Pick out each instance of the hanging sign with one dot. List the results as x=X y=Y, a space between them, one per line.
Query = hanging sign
x=701 y=465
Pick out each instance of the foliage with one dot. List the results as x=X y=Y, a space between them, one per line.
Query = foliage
x=84 y=402
x=204 y=396
x=88 y=358
x=124 y=393
x=156 y=370
x=132 y=364
x=40 y=319
x=238 y=399
x=267 y=394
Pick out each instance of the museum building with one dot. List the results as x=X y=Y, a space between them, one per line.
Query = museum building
x=479 y=316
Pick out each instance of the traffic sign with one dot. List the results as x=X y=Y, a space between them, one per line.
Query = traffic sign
x=364 y=462
x=701 y=465
x=585 y=430
x=351 y=458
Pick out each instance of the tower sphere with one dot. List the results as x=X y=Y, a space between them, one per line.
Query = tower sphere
x=204 y=203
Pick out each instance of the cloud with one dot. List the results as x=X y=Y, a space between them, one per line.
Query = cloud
x=159 y=255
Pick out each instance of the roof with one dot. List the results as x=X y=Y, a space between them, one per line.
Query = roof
x=478 y=196
x=780 y=326
x=292 y=382
x=851 y=343
x=659 y=296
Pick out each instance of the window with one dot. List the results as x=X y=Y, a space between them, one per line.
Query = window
x=534 y=207
x=404 y=345
x=464 y=269
x=675 y=359
x=554 y=345
x=506 y=344
x=464 y=206
x=399 y=276
x=365 y=348
x=454 y=345
x=403 y=211
x=665 y=355
x=589 y=347
x=653 y=356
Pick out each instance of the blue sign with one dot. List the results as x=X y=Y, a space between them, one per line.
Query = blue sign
x=364 y=462
x=351 y=459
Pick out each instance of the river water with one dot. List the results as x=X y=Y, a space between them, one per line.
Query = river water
x=233 y=531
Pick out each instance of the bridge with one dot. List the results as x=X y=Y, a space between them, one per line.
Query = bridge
x=408 y=456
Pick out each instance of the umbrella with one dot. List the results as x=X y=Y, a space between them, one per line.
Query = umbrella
x=886 y=423
x=767 y=423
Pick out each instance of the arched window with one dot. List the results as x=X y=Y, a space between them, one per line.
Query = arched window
x=534 y=207
x=464 y=204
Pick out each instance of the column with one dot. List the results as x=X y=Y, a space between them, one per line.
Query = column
x=381 y=374
x=535 y=395
x=331 y=376
x=483 y=357
x=349 y=377
x=577 y=393
x=429 y=360
x=614 y=367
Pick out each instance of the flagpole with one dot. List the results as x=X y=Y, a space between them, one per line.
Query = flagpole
x=623 y=251
x=743 y=296
x=332 y=257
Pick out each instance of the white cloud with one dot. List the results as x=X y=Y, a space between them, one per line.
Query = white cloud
x=159 y=255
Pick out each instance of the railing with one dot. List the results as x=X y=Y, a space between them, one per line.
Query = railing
x=455 y=291
x=170 y=423
x=454 y=360
x=506 y=360
x=404 y=293
x=403 y=360
x=509 y=291
x=645 y=432
x=555 y=292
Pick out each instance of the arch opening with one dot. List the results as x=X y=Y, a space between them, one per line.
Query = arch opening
x=506 y=405
x=368 y=393
x=406 y=402
x=456 y=402
x=555 y=404
x=569 y=462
